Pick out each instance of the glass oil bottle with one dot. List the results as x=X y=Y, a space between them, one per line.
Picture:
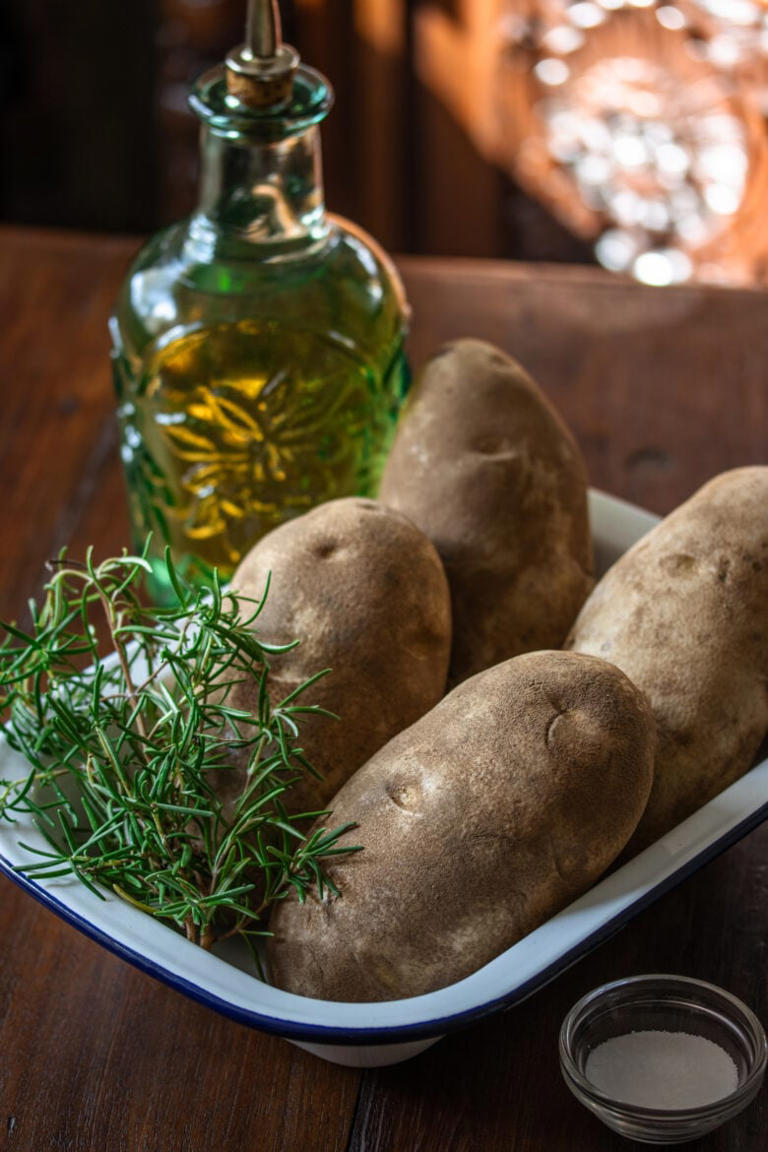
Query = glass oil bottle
x=258 y=345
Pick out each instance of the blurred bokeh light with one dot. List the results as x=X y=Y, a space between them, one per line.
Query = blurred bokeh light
x=631 y=132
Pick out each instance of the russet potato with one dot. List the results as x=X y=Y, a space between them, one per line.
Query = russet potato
x=486 y=468
x=684 y=613
x=364 y=592
x=480 y=821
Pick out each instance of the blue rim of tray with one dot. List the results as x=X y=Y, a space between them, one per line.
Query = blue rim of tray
x=423 y=1029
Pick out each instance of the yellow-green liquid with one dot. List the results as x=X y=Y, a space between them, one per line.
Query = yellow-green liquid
x=234 y=428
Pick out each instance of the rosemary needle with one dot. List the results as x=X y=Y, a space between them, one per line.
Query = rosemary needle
x=122 y=750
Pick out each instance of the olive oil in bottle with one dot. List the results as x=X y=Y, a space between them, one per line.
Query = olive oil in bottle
x=258 y=345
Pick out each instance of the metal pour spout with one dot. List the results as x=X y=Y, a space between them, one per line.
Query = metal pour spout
x=263 y=34
x=260 y=72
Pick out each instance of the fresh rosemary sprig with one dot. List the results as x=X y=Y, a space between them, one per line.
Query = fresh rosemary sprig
x=123 y=751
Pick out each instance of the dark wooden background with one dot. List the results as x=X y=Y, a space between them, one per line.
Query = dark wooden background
x=96 y=133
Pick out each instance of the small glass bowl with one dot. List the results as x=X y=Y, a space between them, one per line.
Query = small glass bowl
x=665 y=1004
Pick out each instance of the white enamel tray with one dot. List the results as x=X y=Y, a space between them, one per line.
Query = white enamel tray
x=371 y=1034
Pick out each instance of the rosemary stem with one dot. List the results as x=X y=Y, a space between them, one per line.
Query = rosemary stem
x=119 y=647
x=119 y=772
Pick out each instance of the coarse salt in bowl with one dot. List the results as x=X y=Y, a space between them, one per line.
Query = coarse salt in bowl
x=662 y=1059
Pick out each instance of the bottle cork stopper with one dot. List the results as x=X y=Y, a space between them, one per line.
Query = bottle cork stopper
x=260 y=72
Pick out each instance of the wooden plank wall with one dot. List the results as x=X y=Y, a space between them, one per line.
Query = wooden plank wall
x=97 y=134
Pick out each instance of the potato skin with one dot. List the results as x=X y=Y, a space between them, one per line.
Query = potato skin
x=477 y=824
x=487 y=469
x=364 y=592
x=685 y=614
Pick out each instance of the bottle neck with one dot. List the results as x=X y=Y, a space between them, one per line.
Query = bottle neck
x=265 y=193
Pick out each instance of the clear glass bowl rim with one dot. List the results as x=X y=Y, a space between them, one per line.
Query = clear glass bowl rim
x=731 y=1007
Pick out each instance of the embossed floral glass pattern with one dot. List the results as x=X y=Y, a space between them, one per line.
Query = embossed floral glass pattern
x=258 y=350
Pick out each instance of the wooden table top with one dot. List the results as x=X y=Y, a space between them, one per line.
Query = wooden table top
x=663 y=388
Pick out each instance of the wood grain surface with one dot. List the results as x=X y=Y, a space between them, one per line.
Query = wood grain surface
x=663 y=388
